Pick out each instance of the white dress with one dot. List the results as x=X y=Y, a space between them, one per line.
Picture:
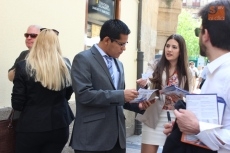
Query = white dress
x=156 y=136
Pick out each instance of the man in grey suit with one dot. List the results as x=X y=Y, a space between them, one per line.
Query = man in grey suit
x=101 y=95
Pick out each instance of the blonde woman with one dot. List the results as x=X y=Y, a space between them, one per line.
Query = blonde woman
x=42 y=88
x=171 y=69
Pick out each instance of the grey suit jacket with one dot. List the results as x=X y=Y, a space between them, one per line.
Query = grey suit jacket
x=99 y=120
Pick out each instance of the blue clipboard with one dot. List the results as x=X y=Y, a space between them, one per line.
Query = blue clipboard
x=221 y=104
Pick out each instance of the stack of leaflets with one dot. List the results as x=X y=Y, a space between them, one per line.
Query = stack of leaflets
x=174 y=90
x=145 y=94
x=209 y=109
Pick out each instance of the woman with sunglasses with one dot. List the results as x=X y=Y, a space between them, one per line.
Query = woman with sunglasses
x=42 y=88
x=171 y=69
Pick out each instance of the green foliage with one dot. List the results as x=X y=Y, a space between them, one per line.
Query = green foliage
x=186 y=26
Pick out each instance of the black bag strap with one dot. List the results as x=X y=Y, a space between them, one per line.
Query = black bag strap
x=11 y=119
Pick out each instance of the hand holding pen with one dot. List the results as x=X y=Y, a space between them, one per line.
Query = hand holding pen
x=168 y=126
x=168 y=116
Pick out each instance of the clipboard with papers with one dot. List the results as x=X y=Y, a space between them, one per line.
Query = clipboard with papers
x=208 y=108
x=221 y=107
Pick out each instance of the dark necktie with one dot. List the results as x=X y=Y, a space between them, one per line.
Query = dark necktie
x=110 y=66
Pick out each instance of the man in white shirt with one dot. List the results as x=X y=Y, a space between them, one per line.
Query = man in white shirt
x=195 y=74
x=214 y=40
x=202 y=77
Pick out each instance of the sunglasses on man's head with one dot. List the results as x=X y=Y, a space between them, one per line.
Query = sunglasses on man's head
x=32 y=35
x=57 y=32
x=197 y=31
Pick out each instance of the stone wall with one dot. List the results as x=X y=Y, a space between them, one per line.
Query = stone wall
x=149 y=28
x=167 y=21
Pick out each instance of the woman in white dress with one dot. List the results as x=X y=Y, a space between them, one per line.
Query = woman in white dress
x=172 y=69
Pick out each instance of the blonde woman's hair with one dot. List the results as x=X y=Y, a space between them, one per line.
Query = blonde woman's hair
x=45 y=62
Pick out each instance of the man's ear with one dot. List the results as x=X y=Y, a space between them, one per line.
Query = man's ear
x=106 y=40
x=205 y=36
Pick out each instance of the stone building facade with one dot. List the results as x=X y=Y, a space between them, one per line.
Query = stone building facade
x=150 y=22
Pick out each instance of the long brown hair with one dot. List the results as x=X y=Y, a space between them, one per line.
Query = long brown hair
x=181 y=68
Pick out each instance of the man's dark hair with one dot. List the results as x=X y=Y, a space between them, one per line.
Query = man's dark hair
x=218 y=29
x=113 y=28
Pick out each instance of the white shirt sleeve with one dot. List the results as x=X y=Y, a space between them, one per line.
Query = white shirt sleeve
x=209 y=138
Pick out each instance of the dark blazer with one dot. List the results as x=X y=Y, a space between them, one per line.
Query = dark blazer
x=100 y=120
x=41 y=109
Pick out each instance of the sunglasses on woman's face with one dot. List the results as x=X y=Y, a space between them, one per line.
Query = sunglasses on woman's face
x=31 y=35
x=57 y=32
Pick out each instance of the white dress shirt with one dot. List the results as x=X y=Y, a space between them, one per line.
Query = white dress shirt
x=218 y=81
x=204 y=73
x=115 y=70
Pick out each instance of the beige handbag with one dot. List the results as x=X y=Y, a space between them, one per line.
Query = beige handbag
x=152 y=114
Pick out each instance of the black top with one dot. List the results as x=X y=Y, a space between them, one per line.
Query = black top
x=41 y=109
x=21 y=57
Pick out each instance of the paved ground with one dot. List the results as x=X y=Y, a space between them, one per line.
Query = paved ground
x=133 y=145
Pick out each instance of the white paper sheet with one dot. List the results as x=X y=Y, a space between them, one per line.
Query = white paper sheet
x=204 y=106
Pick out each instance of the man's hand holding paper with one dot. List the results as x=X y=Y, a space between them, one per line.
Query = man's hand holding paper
x=187 y=121
x=130 y=94
x=203 y=115
x=145 y=95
